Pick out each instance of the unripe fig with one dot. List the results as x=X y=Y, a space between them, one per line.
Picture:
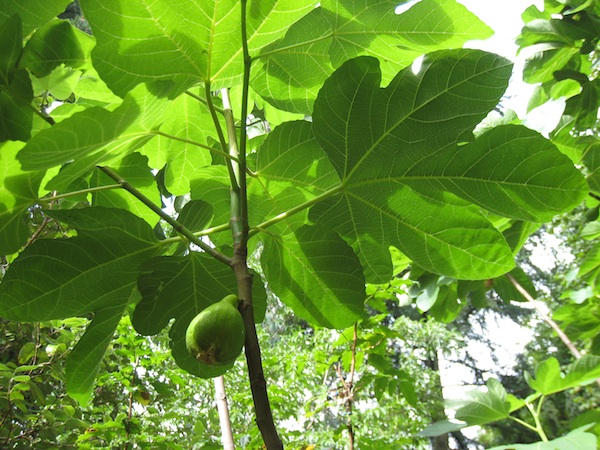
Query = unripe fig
x=216 y=335
x=591 y=214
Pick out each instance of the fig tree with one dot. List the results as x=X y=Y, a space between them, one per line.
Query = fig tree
x=216 y=335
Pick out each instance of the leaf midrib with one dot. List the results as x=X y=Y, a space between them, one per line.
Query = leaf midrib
x=405 y=117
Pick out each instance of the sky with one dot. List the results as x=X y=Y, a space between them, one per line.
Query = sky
x=504 y=17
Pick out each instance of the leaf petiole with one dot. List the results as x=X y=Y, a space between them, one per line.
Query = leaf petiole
x=197 y=144
x=224 y=145
x=80 y=192
x=205 y=232
x=535 y=413
x=536 y=417
x=522 y=422
x=204 y=101
x=296 y=209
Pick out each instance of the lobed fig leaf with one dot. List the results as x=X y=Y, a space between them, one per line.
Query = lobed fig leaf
x=216 y=335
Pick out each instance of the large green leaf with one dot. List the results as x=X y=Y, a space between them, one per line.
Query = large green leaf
x=294 y=68
x=374 y=28
x=179 y=288
x=510 y=170
x=373 y=135
x=12 y=45
x=438 y=232
x=190 y=123
x=370 y=132
x=33 y=13
x=16 y=115
x=86 y=357
x=95 y=136
x=95 y=272
x=15 y=86
x=139 y=41
x=484 y=407
x=199 y=40
x=291 y=170
x=317 y=274
x=18 y=191
x=574 y=440
x=55 y=43
x=549 y=378
x=397 y=153
x=60 y=278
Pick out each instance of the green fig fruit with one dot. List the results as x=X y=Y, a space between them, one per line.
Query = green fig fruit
x=216 y=335
x=591 y=214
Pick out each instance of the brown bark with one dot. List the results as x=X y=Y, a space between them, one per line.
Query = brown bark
x=258 y=385
x=546 y=318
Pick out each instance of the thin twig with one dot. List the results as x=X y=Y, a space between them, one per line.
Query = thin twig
x=350 y=388
x=45 y=117
x=131 y=389
x=37 y=232
x=41 y=228
x=205 y=232
x=545 y=317
x=91 y=190
x=177 y=226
